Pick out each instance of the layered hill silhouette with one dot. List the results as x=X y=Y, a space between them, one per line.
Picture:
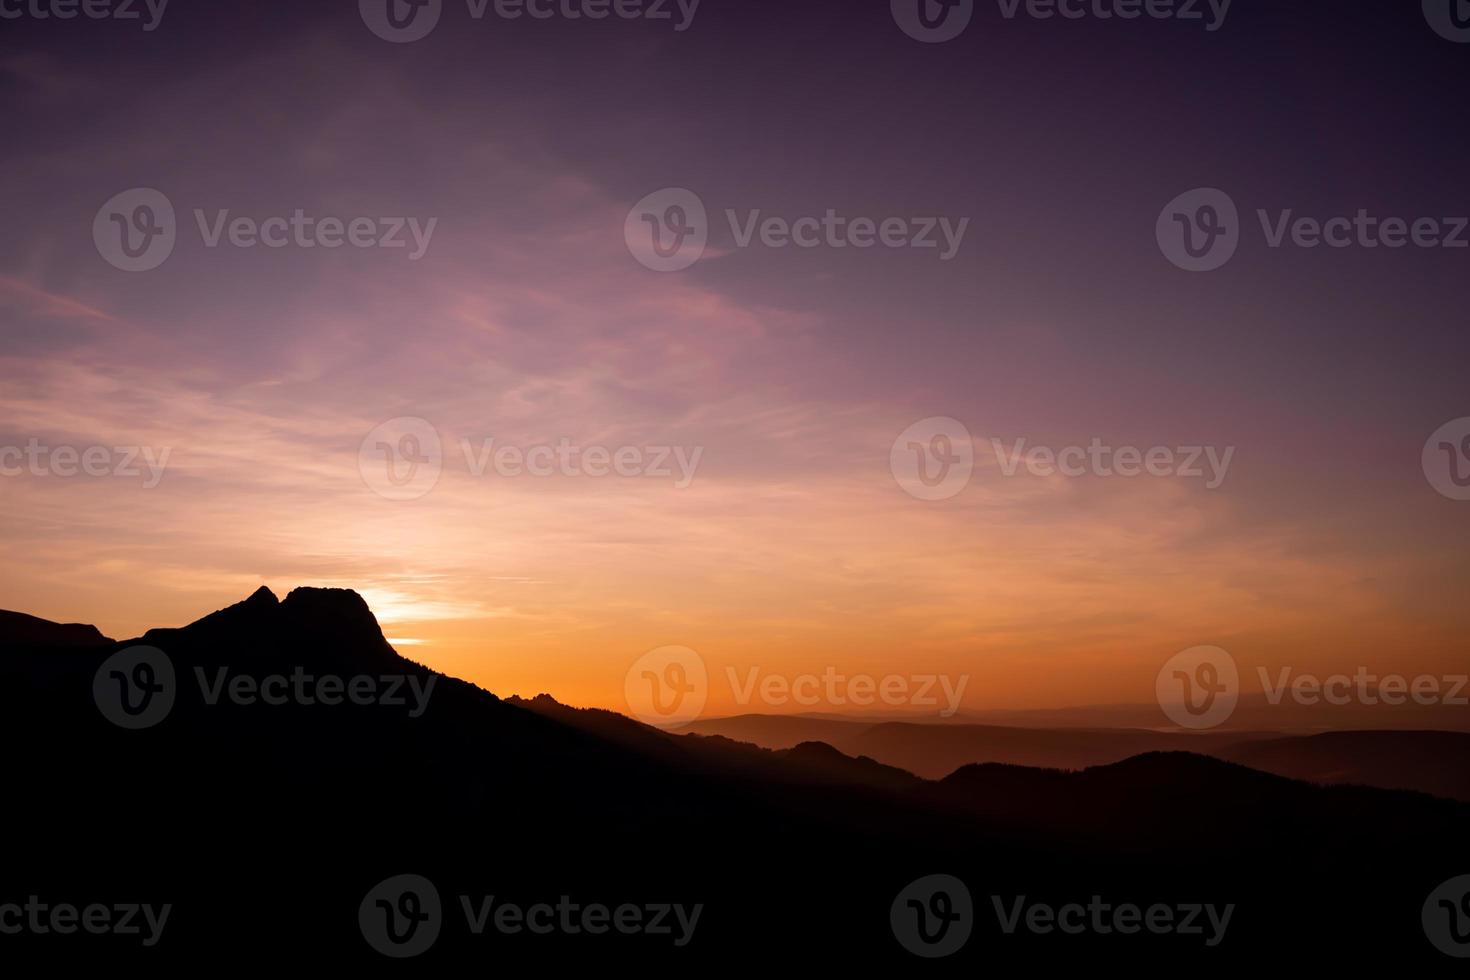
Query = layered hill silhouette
x=1254 y=712
x=1430 y=762
x=265 y=821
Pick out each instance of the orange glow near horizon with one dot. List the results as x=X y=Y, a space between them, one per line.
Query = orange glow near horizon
x=792 y=549
x=1041 y=592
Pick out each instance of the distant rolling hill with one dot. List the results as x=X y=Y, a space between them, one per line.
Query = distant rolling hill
x=936 y=750
x=1429 y=762
x=1254 y=712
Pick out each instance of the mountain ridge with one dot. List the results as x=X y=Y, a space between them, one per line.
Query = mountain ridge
x=240 y=803
x=19 y=627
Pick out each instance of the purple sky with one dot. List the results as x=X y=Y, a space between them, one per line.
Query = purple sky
x=1058 y=321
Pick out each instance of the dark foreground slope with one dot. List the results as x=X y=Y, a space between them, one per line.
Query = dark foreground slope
x=267 y=826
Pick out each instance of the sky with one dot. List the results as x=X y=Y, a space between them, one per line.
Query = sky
x=793 y=541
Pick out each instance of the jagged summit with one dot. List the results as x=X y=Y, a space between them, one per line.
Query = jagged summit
x=239 y=619
x=542 y=700
x=303 y=602
x=337 y=618
x=262 y=595
x=333 y=624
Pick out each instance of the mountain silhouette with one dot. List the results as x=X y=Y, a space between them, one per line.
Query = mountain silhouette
x=805 y=763
x=19 y=629
x=266 y=822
